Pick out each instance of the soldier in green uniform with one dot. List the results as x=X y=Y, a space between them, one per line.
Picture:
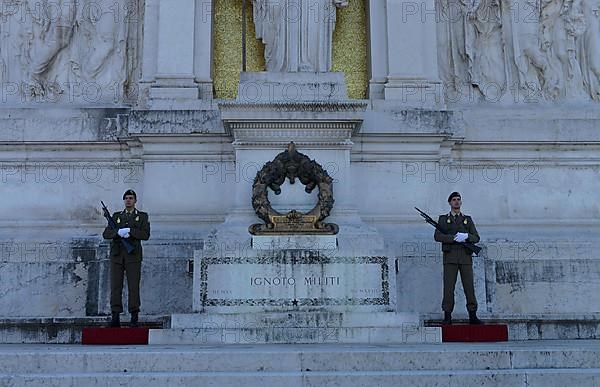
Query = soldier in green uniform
x=457 y=258
x=135 y=227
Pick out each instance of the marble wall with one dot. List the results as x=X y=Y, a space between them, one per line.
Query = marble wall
x=527 y=172
x=530 y=198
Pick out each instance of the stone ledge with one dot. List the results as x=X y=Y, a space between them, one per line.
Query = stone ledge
x=296 y=335
x=145 y=122
x=316 y=319
x=61 y=330
x=551 y=328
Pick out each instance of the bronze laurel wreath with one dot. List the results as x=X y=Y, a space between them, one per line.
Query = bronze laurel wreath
x=292 y=165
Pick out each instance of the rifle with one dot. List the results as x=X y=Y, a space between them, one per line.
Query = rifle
x=470 y=246
x=111 y=223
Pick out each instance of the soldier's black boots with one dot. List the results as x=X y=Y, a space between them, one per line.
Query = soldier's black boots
x=447 y=318
x=115 y=322
x=473 y=319
x=134 y=319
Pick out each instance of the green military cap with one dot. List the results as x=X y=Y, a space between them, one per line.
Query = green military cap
x=129 y=192
x=453 y=195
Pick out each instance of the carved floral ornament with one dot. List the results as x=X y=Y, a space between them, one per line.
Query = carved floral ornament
x=292 y=165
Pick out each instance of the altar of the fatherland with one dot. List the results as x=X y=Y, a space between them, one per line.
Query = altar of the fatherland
x=394 y=104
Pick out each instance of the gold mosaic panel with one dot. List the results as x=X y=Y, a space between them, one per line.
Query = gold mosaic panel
x=349 y=47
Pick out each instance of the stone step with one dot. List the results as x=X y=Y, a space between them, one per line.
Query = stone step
x=62 y=330
x=539 y=327
x=294 y=319
x=434 y=359
x=297 y=327
x=67 y=330
x=521 y=377
x=408 y=333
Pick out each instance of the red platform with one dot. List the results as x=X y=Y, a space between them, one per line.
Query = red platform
x=474 y=333
x=114 y=336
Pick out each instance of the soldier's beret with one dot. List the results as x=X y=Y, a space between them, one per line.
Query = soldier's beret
x=453 y=195
x=129 y=192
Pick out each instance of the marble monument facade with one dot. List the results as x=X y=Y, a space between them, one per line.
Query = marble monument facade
x=495 y=99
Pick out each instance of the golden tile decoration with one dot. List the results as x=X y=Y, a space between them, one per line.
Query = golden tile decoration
x=349 y=47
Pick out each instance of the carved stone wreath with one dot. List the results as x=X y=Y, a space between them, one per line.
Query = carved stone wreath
x=292 y=165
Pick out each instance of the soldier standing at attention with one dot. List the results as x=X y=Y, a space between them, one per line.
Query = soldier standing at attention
x=457 y=258
x=135 y=227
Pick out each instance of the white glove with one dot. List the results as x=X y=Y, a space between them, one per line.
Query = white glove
x=461 y=237
x=124 y=232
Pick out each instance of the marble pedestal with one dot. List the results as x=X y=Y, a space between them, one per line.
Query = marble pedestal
x=292 y=295
x=294 y=288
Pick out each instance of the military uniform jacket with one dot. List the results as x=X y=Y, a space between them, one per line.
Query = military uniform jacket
x=139 y=224
x=454 y=252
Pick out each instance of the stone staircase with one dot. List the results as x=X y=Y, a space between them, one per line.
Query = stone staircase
x=523 y=363
x=295 y=328
x=61 y=330
x=67 y=330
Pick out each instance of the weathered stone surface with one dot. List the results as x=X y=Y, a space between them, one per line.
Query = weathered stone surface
x=553 y=363
x=59 y=330
x=175 y=121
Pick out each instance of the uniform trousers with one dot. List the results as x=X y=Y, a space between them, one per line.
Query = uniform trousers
x=451 y=271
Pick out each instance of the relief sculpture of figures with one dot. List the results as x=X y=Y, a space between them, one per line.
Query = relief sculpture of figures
x=488 y=73
x=562 y=22
x=535 y=77
x=53 y=32
x=589 y=48
x=542 y=50
x=456 y=69
x=297 y=34
x=66 y=51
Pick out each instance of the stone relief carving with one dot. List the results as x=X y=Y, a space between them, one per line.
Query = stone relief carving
x=455 y=68
x=589 y=49
x=67 y=51
x=297 y=33
x=532 y=67
x=485 y=49
x=520 y=50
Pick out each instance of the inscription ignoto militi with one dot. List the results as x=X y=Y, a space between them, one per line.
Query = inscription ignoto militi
x=291 y=281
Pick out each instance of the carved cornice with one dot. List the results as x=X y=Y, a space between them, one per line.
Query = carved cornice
x=286 y=121
x=345 y=144
x=293 y=125
x=333 y=123
x=301 y=132
x=304 y=135
x=313 y=106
